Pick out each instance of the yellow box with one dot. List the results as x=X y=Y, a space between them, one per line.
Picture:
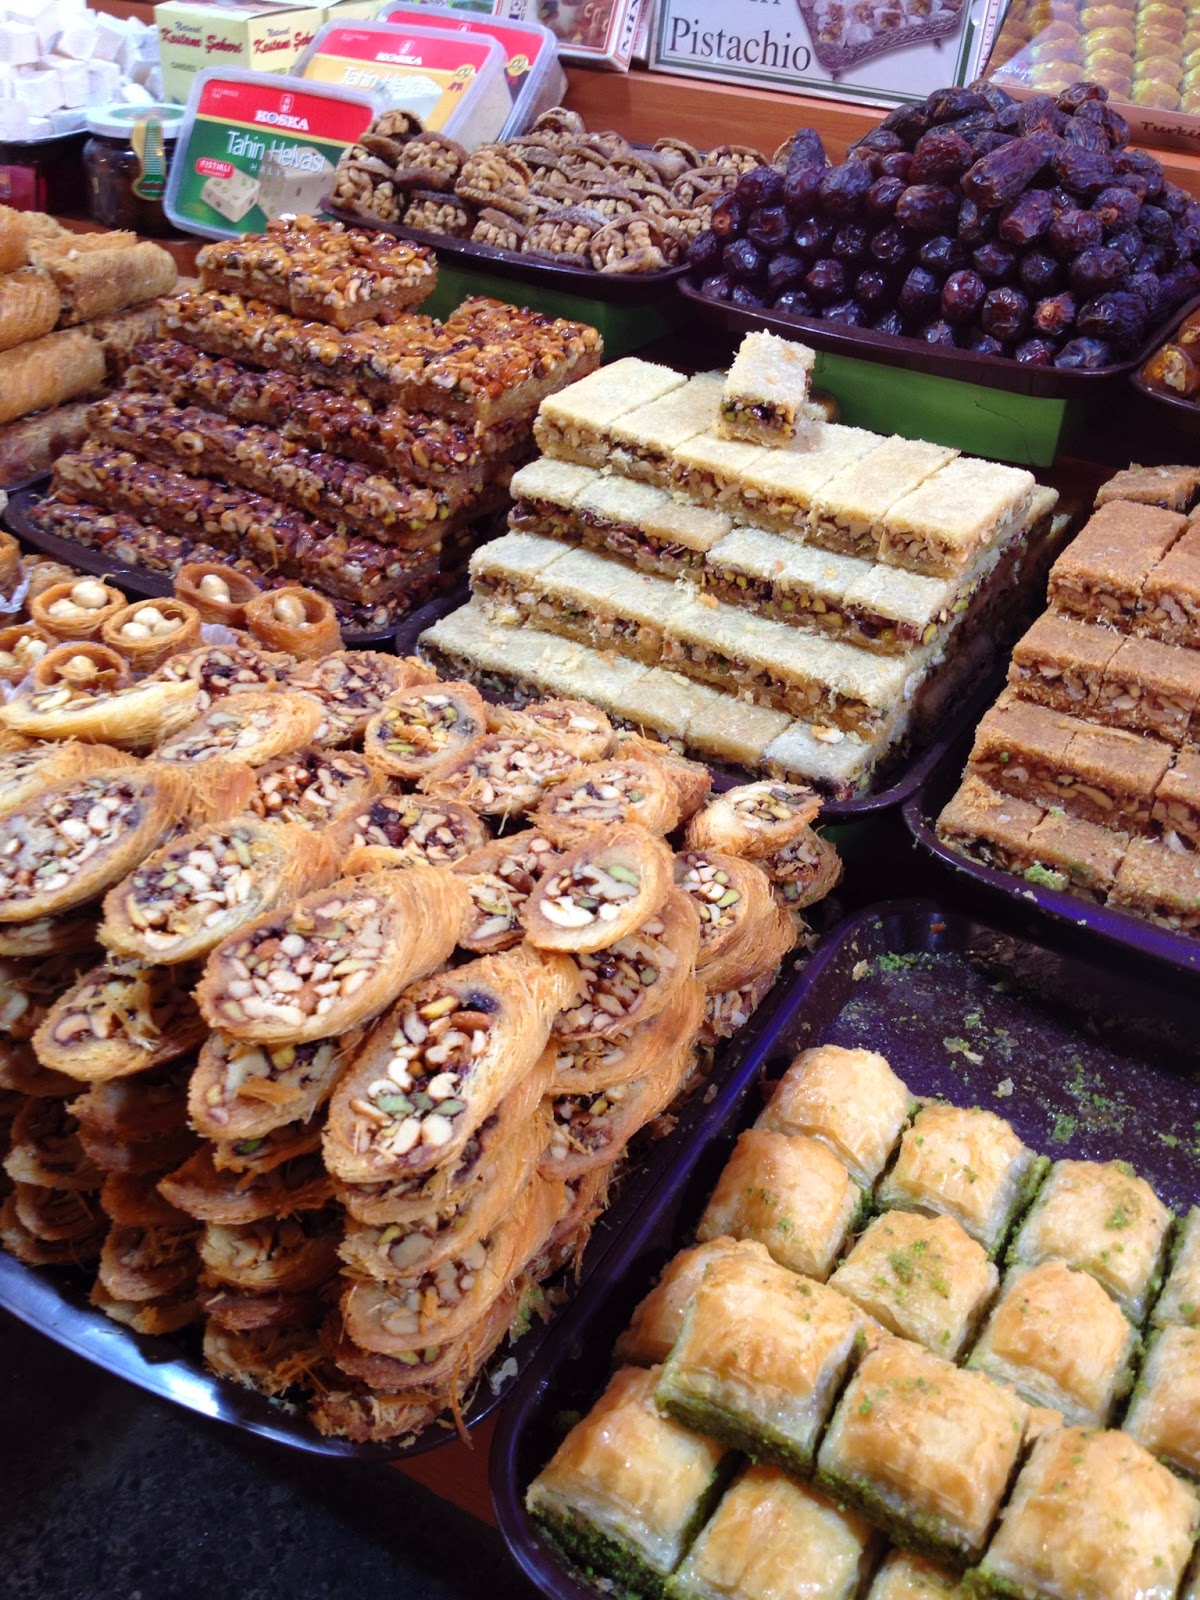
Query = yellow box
x=257 y=35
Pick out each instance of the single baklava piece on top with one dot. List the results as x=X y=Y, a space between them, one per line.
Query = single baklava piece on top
x=964 y=1163
x=1169 y=599
x=850 y=1100
x=1150 y=687
x=642 y=524
x=1110 y=773
x=1159 y=883
x=1164 y=1414
x=1092 y=1513
x=1180 y=1299
x=766 y=389
x=1022 y=749
x=904 y=1576
x=1101 y=1218
x=543 y=492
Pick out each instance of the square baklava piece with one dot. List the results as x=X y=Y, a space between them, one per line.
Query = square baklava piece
x=1160 y=883
x=658 y=1319
x=765 y=390
x=904 y=1576
x=1180 y=1298
x=850 y=1100
x=1164 y=1414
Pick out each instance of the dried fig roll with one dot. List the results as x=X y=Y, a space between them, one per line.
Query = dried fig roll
x=441 y=1062
x=150 y=632
x=727 y=1011
x=574 y=725
x=352 y=686
x=83 y=666
x=21 y=648
x=405 y=830
x=182 y=901
x=73 y=934
x=271 y=1360
x=16 y=1238
x=606 y=887
x=270 y=1150
x=609 y=792
x=741 y=929
x=253 y=728
x=288 y=1254
x=57 y=1216
x=417 y=730
x=67 y=845
x=153 y=1318
x=211 y=1196
x=120 y=1019
x=22 y=1073
x=45 y=1148
x=313 y=787
x=134 y=718
x=754 y=820
x=500 y=877
x=634 y=979
x=586 y=1066
x=243 y=1091
x=437 y=1306
x=133 y=1201
x=335 y=959
x=501 y=774
x=805 y=871
x=218 y=594
x=221 y=669
x=148 y=1263
x=75 y=609
x=297 y=620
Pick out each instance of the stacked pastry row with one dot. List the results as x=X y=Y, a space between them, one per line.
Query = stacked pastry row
x=1085 y=775
x=840 y=586
x=302 y=416
x=887 y=1383
x=72 y=306
x=227 y=945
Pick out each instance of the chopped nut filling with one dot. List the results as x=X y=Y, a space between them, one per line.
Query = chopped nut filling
x=498 y=894
x=193 y=888
x=426 y=830
x=225 y=732
x=585 y=1123
x=258 y=1076
x=150 y=1008
x=352 y=686
x=42 y=853
x=418 y=1301
x=588 y=892
x=504 y=774
x=309 y=787
x=615 y=982
x=711 y=891
x=423 y=726
x=222 y=669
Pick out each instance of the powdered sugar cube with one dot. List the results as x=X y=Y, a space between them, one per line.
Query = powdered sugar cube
x=18 y=43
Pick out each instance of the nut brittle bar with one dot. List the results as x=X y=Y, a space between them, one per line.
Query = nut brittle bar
x=765 y=390
x=1101 y=574
x=571 y=426
x=849 y=510
x=1176 y=806
x=943 y=524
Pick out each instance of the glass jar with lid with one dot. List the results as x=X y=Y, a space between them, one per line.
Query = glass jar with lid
x=126 y=158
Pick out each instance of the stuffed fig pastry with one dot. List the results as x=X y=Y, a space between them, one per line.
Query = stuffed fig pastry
x=611 y=883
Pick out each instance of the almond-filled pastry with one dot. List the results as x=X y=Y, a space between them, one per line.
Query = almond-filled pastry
x=742 y=931
x=27 y=770
x=148 y=1263
x=272 y=1360
x=134 y=1202
x=921 y=1277
x=1164 y=1414
x=850 y=1100
x=149 y=632
x=353 y=685
x=771 y=1537
x=45 y=1148
x=574 y=725
x=183 y=900
x=167 y=1314
x=418 y=728
x=967 y=1164
x=628 y=1488
x=314 y=787
x=500 y=877
x=235 y=1197
x=441 y=1062
x=658 y=1319
x=251 y=727
x=222 y=669
x=282 y=1144
x=244 y=1091
x=1102 y=1218
x=407 y=829
x=791 y=1195
x=923 y=1448
x=77 y=836
x=804 y=871
x=120 y=1018
x=605 y=888
x=760 y=1359
x=22 y=646
x=75 y=609
x=335 y=959
x=1060 y=1342
x=1180 y=1299
x=1091 y=1513
x=904 y=1576
x=289 y=1254
x=218 y=592
x=627 y=789
x=82 y=666
x=296 y=620
x=137 y=717
x=501 y=774
x=589 y=1066
x=634 y=979
x=73 y=933
x=755 y=820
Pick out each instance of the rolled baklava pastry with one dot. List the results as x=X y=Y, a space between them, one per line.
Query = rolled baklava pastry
x=297 y=620
x=132 y=1200
x=149 y=632
x=218 y=593
x=16 y=1238
x=11 y=566
x=408 y=829
x=76 y=609
x=120 y=1019
x=250 y=1310
x=244 y=1091
x=370 y=1416
x=441 y=1062
x=270 y=1360
x=727 y=1011
x=587 y=1066
x=335 y=959
x=314 y=787
x=754 y=820
x=83 y=666
x=270 y=1150
x=352 y=686
x=501 y=774
x=28 y=770
x=418 y=729
x=500 y=877
x=128 y=1111
x=44 y=1148
x=57 y=1216
x=235 y=1197
x=692 y=779
x=134 y=718
x=635 y=978
x=609 y=885
x=29 y=988
x=253 y=728
x=804 y=871
x=587 y=1199
x=182 y=901
x=574 y=725
x=46 y=372
x=221 y=669
x=153 y=1318
x=78 y=836
x=21 y=648
x=742 y=931
x=44 y=573
x=22 y=1073
x=148 y=1263
x=277 y=1254
x=607 y=792
x=72 y=934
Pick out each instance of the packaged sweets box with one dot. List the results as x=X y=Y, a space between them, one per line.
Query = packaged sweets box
x=263 y=37
x=592 y=33
x=877 y=51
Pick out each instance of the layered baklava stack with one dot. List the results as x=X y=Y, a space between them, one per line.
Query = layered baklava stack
x=839 y=586
x=1085 y=774
x=839 y=1365
x=302 y=420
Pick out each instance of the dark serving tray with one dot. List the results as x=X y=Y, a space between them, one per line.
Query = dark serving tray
x=54 y=1301
x=914 y=355
x=1083 y=1059
x=614 y=288
x=1135 y=934
x=1180 y=413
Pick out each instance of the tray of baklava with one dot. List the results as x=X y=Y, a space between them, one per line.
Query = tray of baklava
x=917 y=1315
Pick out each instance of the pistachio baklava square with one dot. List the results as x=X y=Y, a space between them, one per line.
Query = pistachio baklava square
x=571 y=424
x=953 y=514
x=1179 y=1301
x=1176 y=805
x=1101 y=574
x=848 y=512
x=850 y=1100
x=766 y=389
x=1164 y=1414
x=1060 y=663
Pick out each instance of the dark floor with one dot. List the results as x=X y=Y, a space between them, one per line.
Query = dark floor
x=107 y=1493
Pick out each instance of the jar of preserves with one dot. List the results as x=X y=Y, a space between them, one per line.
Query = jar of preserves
x=126 y=158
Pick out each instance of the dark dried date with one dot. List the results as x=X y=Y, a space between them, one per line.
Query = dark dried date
x=1027 y=218
x=963 y=294
x=844 y=188
x=940 y=156
x=1083 y=355
x=998 y=178
x=1005 y=315
x=1098 y=270
x=761 y=186
x=927 y=208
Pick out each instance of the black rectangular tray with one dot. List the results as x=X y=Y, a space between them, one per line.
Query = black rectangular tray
x=1082 y=1058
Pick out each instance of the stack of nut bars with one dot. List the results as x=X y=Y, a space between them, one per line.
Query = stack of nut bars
x=1085 y=774
x=803 y=608
x=304 y=420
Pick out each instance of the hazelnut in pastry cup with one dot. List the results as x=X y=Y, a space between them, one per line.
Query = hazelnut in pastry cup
x=295 y=619
x=84 y=666
x=149 y=632
x=76 y=610
x=43 y=574
x=220 y=594
x=21 y=647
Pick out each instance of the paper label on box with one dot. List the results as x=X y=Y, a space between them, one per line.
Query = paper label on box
x=594 y=31
x=869 y=50
x=256 y=150
x=522 y=50
x=428 y=77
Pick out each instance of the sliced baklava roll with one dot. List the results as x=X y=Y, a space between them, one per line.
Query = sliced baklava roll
x=132 y=1200
x=283 y=1144
x=1180 y=1299
x=586 y=1200
x=148 y=1263
x=574 y=725
x=588 y=1066
x=28 y=989
x=416 y=730
x=296 y=620
x=500 y=877
x=335 y=960
x=277 y=1255
x=626 y=790
x=368 y=1416
x=742 y=931
x=251 y=728
x=500 y=774
x=156 y=1317
x=637 y=977
x=242 y=1090
x=138 y=717
x=269 y=1360
x=755 y=820
x=692 y=779
x=314 y=787
x=402 y=830
x=121 y=1018
x=69 y=843
x=804 y=871
x=658 y=1319
x=628 y=1488
x=27 y=769
x=441 y=1062
x=16 y=1238
x=57 y=1216
x=352 y=686
x=222 y=669
x=235 y=1197
x=850 y=1100
x=130 y=1111
x=72 y=934
x=21 y=1073
x=614 y=881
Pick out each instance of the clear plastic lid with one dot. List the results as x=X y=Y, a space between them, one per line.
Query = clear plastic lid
x=118 y=121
